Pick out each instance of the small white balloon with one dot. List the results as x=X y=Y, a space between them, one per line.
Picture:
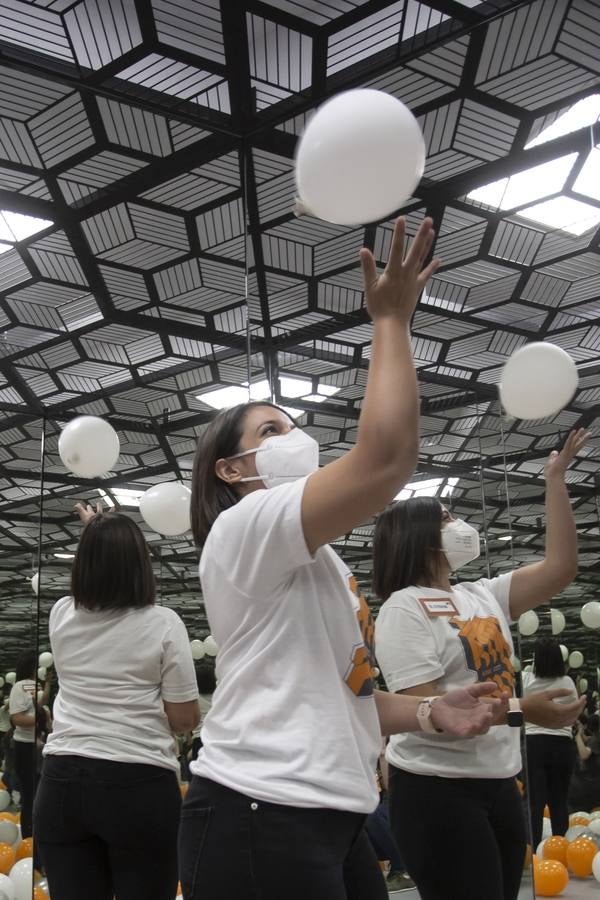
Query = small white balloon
x=197 y=648
x=574 y=831
x=42 y=672
x=540 y=849
x=21 y=876
x=359 y=158
x=516 y=663
x=89 y=446
x=596 y=867
x=8 y=832
x=528 y=623
x=46 y=659
x=546 y=828
x=590 y=614
x=538 y=381
x=564 y=652
x=166 y=508
x=583 y=684
x=4 y=800
x=35 y=583
x=576 y=659
x=11 y=677
x=557 y=621
x=7 y=887
x=210 y=646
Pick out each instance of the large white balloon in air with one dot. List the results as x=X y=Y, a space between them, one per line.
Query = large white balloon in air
x=166 y=507
x=88 y=446
x=590 y=614
x=359 y=158
x=537 y=381
x=528 y=623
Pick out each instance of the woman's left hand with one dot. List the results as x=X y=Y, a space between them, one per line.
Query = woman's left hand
x=87 y=512
x=558 y=463
x=468 y=711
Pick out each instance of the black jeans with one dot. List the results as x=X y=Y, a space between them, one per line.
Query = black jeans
x=550 y=764
x=460 y=838
x=25 y=769
x=231 y=846
x=107 y=829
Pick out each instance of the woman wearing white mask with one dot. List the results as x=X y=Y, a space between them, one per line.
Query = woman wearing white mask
x=286 y=774
x=454 y=807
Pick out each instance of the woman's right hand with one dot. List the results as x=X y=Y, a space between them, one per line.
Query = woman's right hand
x=395 y=292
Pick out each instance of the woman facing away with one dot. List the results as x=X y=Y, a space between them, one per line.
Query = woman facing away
x=454 y=806
x=286 y=774
x=550 y=751
x=584 y=791
x=107 y=809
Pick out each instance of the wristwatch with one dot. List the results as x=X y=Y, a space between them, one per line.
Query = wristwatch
x=515 y=713
x=424 y=716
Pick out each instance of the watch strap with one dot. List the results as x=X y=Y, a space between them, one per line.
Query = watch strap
x=424 y=716
x=515 y=714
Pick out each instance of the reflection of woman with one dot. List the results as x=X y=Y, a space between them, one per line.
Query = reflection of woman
x=550 y=752
x=455 y=810
x=22 y=708
x=584 y=793
x=286 y=774
x=107 y=809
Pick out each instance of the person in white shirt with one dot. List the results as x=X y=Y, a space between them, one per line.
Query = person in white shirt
x=454 y=807
x=286 y=775
x=550 y=751
x=107 y=809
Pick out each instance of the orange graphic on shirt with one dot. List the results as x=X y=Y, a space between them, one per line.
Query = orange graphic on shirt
x=359 y=676
x=487 y=651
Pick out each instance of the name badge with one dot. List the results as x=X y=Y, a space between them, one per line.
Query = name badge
x=438 y=606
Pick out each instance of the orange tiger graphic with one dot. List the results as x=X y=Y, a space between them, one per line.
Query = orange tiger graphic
x=359 y=676
x=487 y=651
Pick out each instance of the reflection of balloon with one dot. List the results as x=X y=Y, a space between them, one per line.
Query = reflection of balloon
x=25 y=848
x=4 y=800
x=537 y=381
x=555 y=847
x=540 y=849
x=550 y=877
x=574 y=832
x=360 y=158
x=580 y=855
x=594 y=826
x=46 y=659
x=7 y=858
x=7 y=887
x=35 y=583
x=576 y=659
x=21 y=876
x=197 y=648
x=546 y=828
x=565 y=652
x=590 y=614
x=596 y=867
x=528 y=623
x=557 y=621
x=583 y=685
x=42 y=672
x=88 y=446
x=166 y=507
x=579 y=818
x=210 y=646
x=11 y=677
x=8 y=832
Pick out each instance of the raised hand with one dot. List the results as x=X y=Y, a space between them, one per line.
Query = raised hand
x=86 y=512
x=395 y=292
x=467 y=711
x=558 y=463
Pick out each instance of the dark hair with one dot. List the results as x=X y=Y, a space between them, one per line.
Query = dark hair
x=407 y=540
x=112 y=567
x=205 y=679
x=26 y=665
x=547 y=658
x=210 y=494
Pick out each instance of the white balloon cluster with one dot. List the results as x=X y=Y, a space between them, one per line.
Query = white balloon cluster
x=537 y=381
x=46 y=659
x=207 y=647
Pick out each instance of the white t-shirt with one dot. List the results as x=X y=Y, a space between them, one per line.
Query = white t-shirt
x=115 y=668
x=414 y=647
x=533 y=685
x=21 y=701
x=293 y=719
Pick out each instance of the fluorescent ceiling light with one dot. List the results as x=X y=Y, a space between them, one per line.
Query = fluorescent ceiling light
x=588 y=180
x=123 y=496
x=105 y=497
x=565 y=213
x=17 y=227
x=505 y=537
x=584 y=112
x=428 y=488
x=224 y=398
x=64 y=555
x=302 y=387
x=526 y=187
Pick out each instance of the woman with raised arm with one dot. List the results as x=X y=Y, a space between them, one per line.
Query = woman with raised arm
x=286 y=775
x=454 y=807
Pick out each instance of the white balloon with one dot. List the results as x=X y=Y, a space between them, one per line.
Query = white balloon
x=565 y=652
x=596 y=867
x=166 y=507
x=528 y=623
x=583 y=684
x=42 y=672
x=557 y=621
x=35 y=583
x=4 y=800
x=574 y=831
x=594 y=826
x=516 y=663
x=19 y=835
x=376 y=672
x=198 y=650
x=540 y=849
x=576 y=659
x=8 y=832
x=46 y=659
x=7 y=887
x=21 y=876
x=590 y=614
x=546 y=828
x=88 y=446
x=210 y=646
x=10 y=677
x=538 y=381
x=359 y=158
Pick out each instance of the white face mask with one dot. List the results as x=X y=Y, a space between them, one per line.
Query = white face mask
x=460 y=543
x=284 y=457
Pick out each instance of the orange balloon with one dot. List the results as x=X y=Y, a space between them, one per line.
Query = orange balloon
x=7 y=858
x=555 y=847
x=9 y=817
x=25 y=848
x=580 y=856
x=546 y=812
x=520 y=786
x=40 y=894
x=184 y=787
x=550 y=877
x=579 y=820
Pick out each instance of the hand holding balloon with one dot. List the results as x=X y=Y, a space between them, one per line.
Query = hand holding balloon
x=558 y=463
